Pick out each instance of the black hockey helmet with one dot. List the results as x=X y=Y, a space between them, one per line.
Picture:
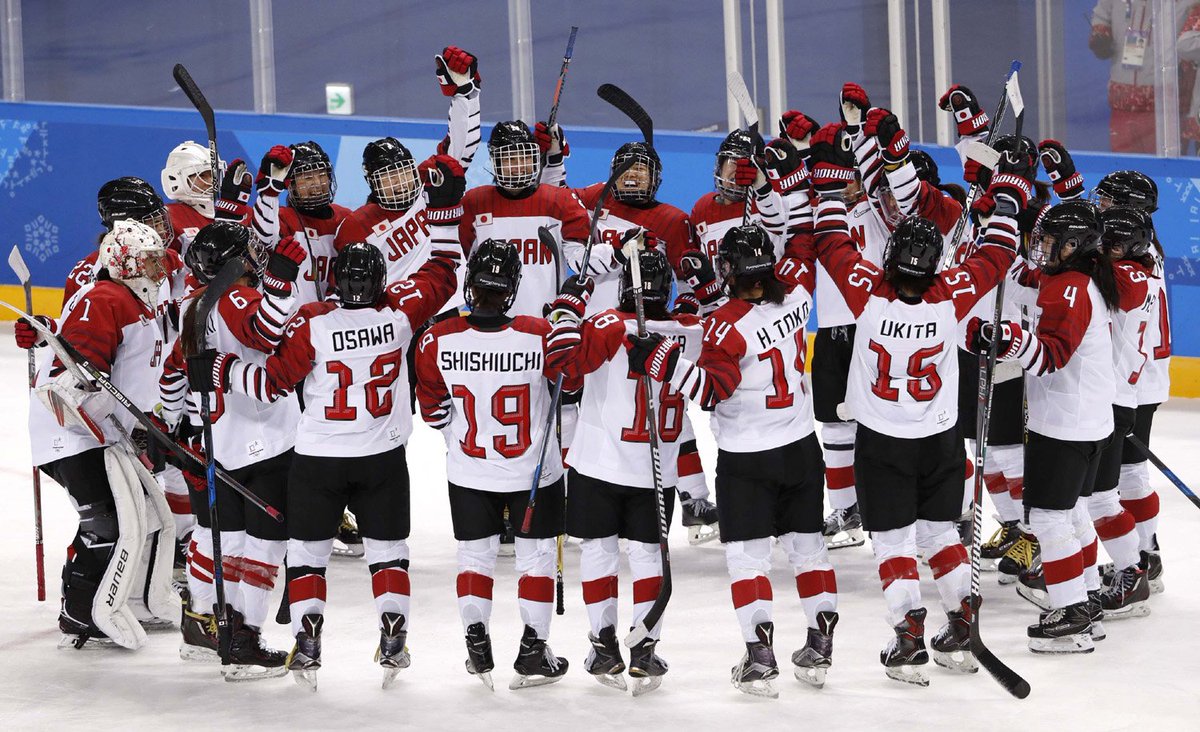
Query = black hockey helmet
x=391 y=173
x=309 y=157
x=516 y=157
x=494 y=265
x=656 y=279
x=134 y=198
x=1071 y=223
x=214 y=245
x=737 y=144
x=642 y=154
x=927 y=170
x=914 y=248
x=1127 y=188
x=1021 y=156
x=745 y=250
x=1128 y=232
x=359 y=273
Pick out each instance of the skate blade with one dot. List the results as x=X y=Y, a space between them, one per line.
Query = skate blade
x=907 y=674
x=988 y=565
x=521 y=681
x=389 y=676
x=845 y=539
x=198 y=654
x=1005 y=578
x=306 y=678
x=643 y=684
x=74 y=643
x=1157 y=586
x=157 y=625
x=759 y=687
x=814 y=676
x=235 y=673
x=1075 y=643
x=486 y=678
x=1098 y=631
x=963 y=662
x=1037 y=597
x=612 y=681
x=703 y=533
x=1136 y=610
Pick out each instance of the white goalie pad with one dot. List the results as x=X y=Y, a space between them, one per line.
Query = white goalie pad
x=154 y=599
x=110 y=609
x=74 y=406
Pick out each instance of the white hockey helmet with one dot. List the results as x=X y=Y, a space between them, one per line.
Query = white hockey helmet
x=133 y=254
x=183 y=176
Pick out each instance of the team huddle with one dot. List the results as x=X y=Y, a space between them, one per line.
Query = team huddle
x=556 y=336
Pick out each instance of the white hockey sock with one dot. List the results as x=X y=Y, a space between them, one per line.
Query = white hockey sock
x=476 y=567
x=535 y=588
x=233 y=545
x=837 y=439
x=1062 y=555
x=388 y=561
x=1089 y=543
x=691 y=471
x=939 y=541
x=598 y=570
x=748 y=563
x=306 y=561
x=1140 y=500
x=645 y=564
x=896 y=553
x=200 y=571
x=175 y=489
x=259 y=567
x=815 y=581
x=1115 y=527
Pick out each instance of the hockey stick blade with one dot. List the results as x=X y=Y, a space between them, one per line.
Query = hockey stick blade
x=197 y=98
x=17 y=262
x=741 y=95
x=617 y=97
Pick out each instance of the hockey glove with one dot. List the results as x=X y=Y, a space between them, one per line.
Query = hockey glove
x=457 y=71
x=445 y=182
x=749 y=173
x=283 y=267
x=653 y=355
x=573 y=297
x=552 y=143
x=1068 y=183
x=699 y=274
x=273 y=171
x=1009 y=343
x=854 y=106
x=893 y=140
x=686 y=304
x=968 y=114
x=797 y=127
x=785 y=166
x=27 y=337
x=200 y=368
x=831 y=161
x=233 y=204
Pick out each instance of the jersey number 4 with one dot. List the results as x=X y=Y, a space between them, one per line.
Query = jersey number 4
x=385 y=368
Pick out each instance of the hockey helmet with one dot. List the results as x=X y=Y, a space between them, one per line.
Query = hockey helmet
x=639 y=184
x=737 y=144
x=1020 y=156
x=494 y=265
x=214 y=245
x=359 y=273
x=187 y=176
x=133 y=253
x=516 y=157
x=134 y=198
x=391 y=173
x=1126 y=188
x=1066 y=233
x=1128 y=232
x=311 y=184
x=745 y=250
x=655 y=275
x=914 y=248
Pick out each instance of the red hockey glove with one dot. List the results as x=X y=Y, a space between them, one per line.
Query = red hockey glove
x=653 y=355
x=457 y=71
x=893 y=140
x=273 y=171
x=27 y=337
x=854 y=106
x=283 y=267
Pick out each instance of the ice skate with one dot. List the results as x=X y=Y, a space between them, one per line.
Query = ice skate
x=249 y=659
x=536 y=664
x=1151 y=564
x=199 y=632
x=479 y=654
x=1031 y=585
x=906 y=653
x=348 y=542
x=604 y=660
x=843 y=528
x=812 y=662
x=952 y=644
x=1096 y=613
x=1019 y=557
x=755 y=674
x=305 y=658
x=1128 y=596
x=179 y=568
x=392 y=654
x=79 y=636
x=699 y=517
x=1062 y=630
x=646 y=668
x=994 y=548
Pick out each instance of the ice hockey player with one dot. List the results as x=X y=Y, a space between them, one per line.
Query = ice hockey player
x=349 y=353
x=124 y=520
x=482 y=380
x=251 y=440
x=903 y=390
x=611 y=478
x=750 y=372
x=1069 y=385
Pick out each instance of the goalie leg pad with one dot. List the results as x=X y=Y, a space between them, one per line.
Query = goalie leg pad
x=110 y=611
x=154 y=587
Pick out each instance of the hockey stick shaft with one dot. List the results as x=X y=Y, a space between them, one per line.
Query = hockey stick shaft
x=1162 y=467
x=1001 y=109
x=200 y=102
x=548 y=241
x=562 y=78
x=654 y=614
x=741 y=94
x=39 y=554
x=555 y=393
x=600 y=201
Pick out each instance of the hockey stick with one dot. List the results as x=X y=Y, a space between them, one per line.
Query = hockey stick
x=18 y=267
x=185 y=81
x=562 y=80
x=600 y=201
x=642 y=630
x=618 y=98
x=1001 y=109
x=85 y=372
x=1162 y=467
x=741 y=95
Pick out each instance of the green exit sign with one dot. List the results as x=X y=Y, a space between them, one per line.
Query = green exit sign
x=339 y=99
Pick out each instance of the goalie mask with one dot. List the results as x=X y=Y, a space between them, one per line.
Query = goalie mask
x=737 y=144
x=133 y=254
x=1126 y=188
x=1128 y=232
x=358 y=275
x=640 y=183
x=133 y=198
x=391 y=173
x=187 y=176
x=516 y=157
x=214 y=245
x=1066 y=233
x=914 y=248
x=656 y=279
x=496 y=266
x=311 y=185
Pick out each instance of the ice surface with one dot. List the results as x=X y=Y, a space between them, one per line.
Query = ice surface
x=1145 y=675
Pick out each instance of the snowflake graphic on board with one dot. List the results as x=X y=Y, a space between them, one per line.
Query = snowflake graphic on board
x=41 y=238
x=27 y=161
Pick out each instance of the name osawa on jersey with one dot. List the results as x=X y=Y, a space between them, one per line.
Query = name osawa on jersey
x=378 y=335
